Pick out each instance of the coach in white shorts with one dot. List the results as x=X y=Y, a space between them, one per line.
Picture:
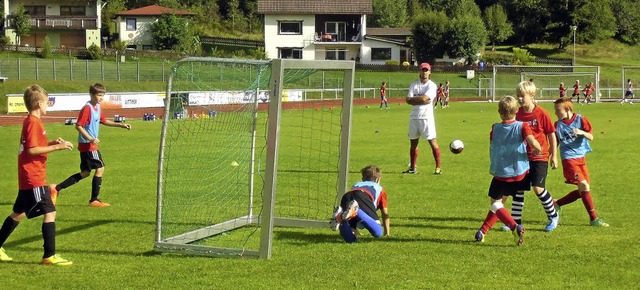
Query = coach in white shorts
x=421 y=121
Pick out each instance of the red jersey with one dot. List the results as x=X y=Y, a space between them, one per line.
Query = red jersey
x=563 y=91
x=32 y=169
x=440 y=91
x=84 y=117
x=588 y=89
x=382 y=200
x=383 y=89
x=541 y=125
x=576 y=89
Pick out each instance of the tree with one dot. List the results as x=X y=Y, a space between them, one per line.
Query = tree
x=529 y=18
x=21 y=23
x=627 y=15
x=109 y=12
x=387 y=13
x=592 y=28
x=428 y=33
x=466 y=36
x=168 y=31
x=498 y=25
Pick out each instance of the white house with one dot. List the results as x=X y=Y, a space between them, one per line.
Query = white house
x=134 y=25
x=67 y=23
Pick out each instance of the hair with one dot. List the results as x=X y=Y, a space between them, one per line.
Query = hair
x=526 y=88
x=96 y=89
x=565 y=102
x=440 y=84
x=371 y=173
x=34 y=94
x=508 y=107
x=628 y=80
x=383 y=83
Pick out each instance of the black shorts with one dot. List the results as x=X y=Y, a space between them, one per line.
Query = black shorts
x=574 y=94
x=90 y=160
x=34 y=202
x=499 y=188
x=364 y=202
x=537 y=175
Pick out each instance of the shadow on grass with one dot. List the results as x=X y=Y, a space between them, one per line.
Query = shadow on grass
x=61 y=232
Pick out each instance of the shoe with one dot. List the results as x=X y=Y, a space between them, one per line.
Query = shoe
x=54 y=193
x=553 y=223
x=505 y=229
x=479 y=236
x=56 y=260
x=336 y=219
x=352 y=212
x=438 y=171
x=98 y=203
x=518 y=235
x=410 y=171
x=599 y=223
x=4 y=257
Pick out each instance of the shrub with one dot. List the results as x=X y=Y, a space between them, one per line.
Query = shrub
x=45 y=52
x=95 y=52
x=392 y=62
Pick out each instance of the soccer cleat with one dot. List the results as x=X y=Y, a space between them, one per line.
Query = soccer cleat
x=553 y=223
x=518 y=235
x=54 y=193
x=351 y=212
x=410 y=171
x=56 y=260
x=4 y=257
x=599 y=223
x=438 y=171
x=336 y=219
x=479 y=236
x=98 y=203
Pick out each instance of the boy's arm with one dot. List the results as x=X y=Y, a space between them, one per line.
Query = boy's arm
x=553 y=149
x=86 y=135
x=586 y=134
x=418 y=100
x=534 y=143
x=114 y=124
x=54 y=145
x=385 y=220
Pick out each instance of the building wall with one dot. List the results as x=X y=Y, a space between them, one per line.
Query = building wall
x=141 y=35
x=368 y=44
x=272 y=40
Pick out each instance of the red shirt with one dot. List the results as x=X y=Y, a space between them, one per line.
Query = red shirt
x=84 y=117
x=541 y=126
x=32 y=169
x=576 y=88
x=382 y=200
x=440 y=91
x=383 y=89
x=563 y=91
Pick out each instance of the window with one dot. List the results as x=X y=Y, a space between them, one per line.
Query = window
x=36 y=10
x=72 y=11
x=335 y=54
x=290 y=27
x=337 y=29
x=293 y=52
x=131 y=24
x=380 y=53
x=147 y=47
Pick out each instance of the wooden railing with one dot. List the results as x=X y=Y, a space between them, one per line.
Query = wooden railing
x=60 y=22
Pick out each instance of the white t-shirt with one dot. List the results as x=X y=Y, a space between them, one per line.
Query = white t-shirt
x=428 y=89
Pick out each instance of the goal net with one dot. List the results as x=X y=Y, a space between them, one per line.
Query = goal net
x=546 y=78
x=247 y=146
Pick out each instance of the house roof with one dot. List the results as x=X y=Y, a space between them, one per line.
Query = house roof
x=153 y=10
x=315 y=7
x=389 y=31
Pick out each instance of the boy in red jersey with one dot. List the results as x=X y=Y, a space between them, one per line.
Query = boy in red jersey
x=563 y=90
x=446 y=94
x=574 y=134
x=543 y=130
x=383 y=96
x=509 y=166
x=88 y=126
x=439 y=97
x=34 y=196
x=576 y=90
x=588 y=90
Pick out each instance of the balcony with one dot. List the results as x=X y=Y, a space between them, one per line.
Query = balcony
x=60 y=22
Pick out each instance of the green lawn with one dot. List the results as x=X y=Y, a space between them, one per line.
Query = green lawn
x=433 y=218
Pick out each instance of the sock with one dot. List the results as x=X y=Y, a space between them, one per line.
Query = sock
x=49 y=237
x=504 y=216
x=73 y=179
x=489 y=221
x=7 y=228
x=436 y=156
x=346 y=232
x=517 y=205
x=413 y=155
x=547 y=203
x=588 y=204
x=569 y=198
x=370 y=224
x=96 y=183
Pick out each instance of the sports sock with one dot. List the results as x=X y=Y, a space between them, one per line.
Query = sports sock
x=7 y=228
x=96 y=183
x=49 y=237
x=346 y=232
x=517 y=205
x=547 y=203
x=370 y=224
x=413 y=155
x=569 y=198
x=73 y=179
x=436 y=156
x=504 y=216
x=588 y=205
x=489 y=221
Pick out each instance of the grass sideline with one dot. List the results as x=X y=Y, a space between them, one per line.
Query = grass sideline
x=433 y=218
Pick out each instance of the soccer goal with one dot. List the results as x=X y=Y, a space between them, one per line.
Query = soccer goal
x=629 y=73
x=247 y=146
x=546 y=78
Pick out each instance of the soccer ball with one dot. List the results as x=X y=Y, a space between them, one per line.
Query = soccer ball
x=456 y=146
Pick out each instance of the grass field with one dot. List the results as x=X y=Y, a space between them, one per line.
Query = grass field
x=433 y=218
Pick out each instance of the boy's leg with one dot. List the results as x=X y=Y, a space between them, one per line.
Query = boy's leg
x=49 y=237
x=7 y=228
x=347 y=233
x=71 y=180
x=374 y=228
x=96 y=185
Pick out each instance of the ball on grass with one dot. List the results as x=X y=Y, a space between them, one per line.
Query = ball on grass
x=456 y=146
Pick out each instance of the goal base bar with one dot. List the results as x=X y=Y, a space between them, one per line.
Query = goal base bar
x=204 y=250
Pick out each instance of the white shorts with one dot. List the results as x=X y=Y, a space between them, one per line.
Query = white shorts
x=422 y=128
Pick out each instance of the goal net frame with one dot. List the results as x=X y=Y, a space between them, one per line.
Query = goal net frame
x=523 y=70
x=625 y=77
x=266 y=220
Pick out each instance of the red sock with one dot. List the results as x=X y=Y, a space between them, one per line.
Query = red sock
x=569 y=198
x=505 y=217
x=413 y=155
x=588 y=204
x=436 y=156
x=489 y=221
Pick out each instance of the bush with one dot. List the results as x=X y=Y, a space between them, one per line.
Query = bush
x=45 y=52
x=522 y=56
x=95 y=52
x=392 y=62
